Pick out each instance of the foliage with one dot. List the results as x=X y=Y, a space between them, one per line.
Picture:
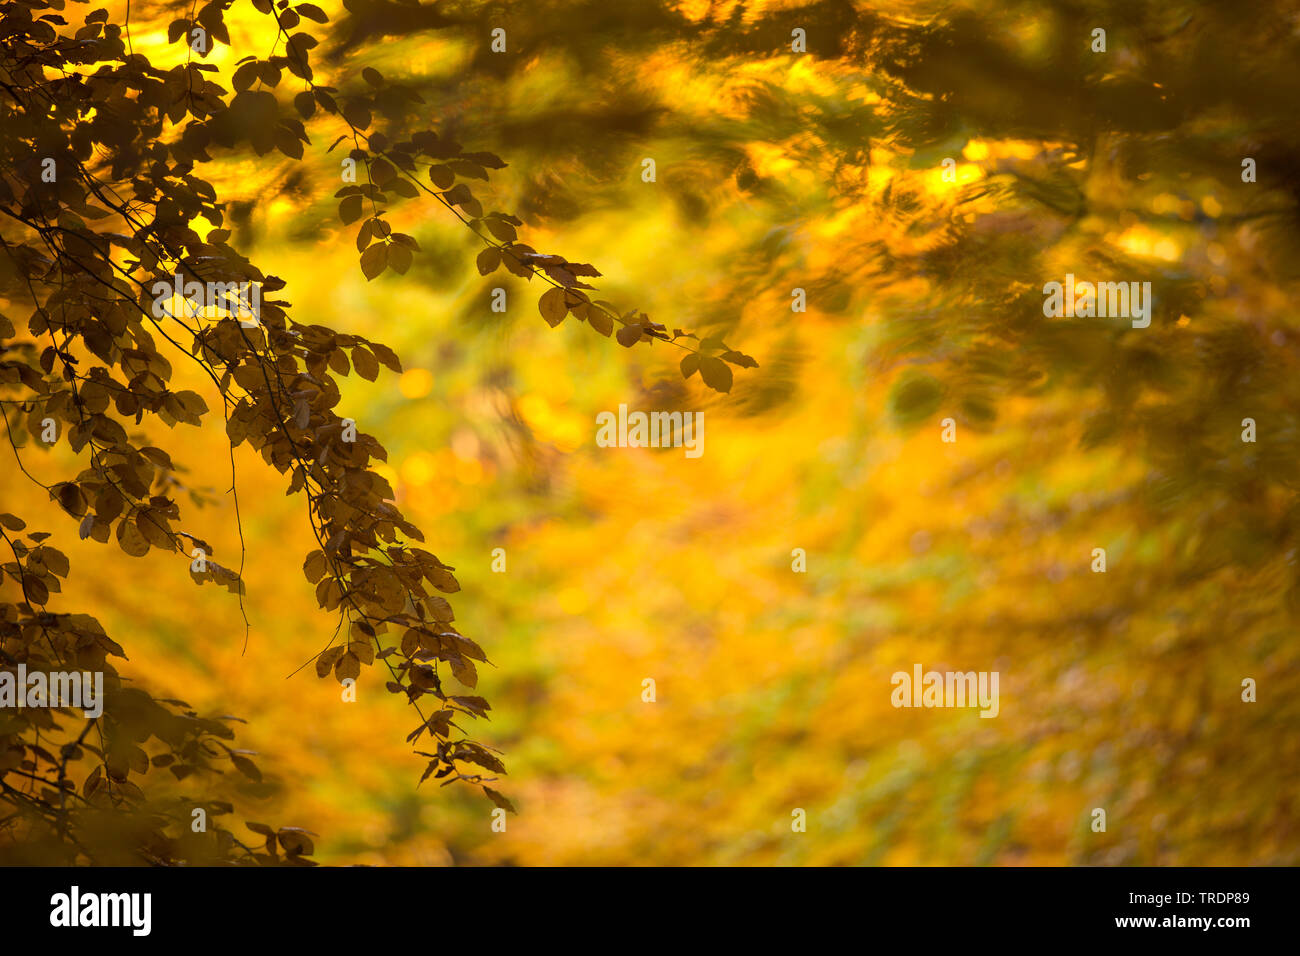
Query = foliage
x=102 y=200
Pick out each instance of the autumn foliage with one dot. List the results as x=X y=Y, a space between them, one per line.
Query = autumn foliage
x=102 y=200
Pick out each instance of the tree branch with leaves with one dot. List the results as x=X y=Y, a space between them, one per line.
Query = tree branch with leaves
x=100 y=202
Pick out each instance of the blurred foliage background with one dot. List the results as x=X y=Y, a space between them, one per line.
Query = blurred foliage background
x=821 y=171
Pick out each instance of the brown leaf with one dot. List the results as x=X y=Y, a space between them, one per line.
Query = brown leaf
x=350 y=209
x=246 y=767
x=488 y=260
x=349 y=665
x=600 y=320
x=552 y=306
x=327 y=659
x=500 y=800
x=314 y=567
x=364 y=361
x=374 y=260
x=716 y=373
x=464 y=671
x=130 y=540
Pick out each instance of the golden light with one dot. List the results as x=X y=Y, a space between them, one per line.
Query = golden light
x=415 y=383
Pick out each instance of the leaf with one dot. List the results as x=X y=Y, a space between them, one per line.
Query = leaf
x=690 y=364
x=439 y=609
x=399 y=257
x=312 y=12
x=295 y=841
x=716 y=373
x=470 y=170
x=364 y=361
x=245 y=76
x=738 y=358
x=382 y=171
x=349 y=666
x=491 y=161
x=246 y=767
x=374 y=260
x=288 y=143
x=601 y=321
x=327 y=659
x=459 y=195
x=357 y=114
x=193 y=404
x=35 y=591
x=57 y=561
x=315 y=566
x=629 y=335
x=153 y=526
x=350 y=210
x=386 y=356
x=130 y=540
x=70 y=498
x=488 y=260
x=500 y=800
x=476 y=705
x=464 y=671
x=552 y=306
x=502 y=230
